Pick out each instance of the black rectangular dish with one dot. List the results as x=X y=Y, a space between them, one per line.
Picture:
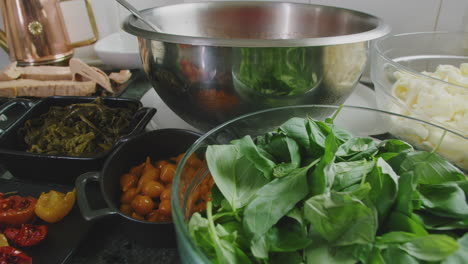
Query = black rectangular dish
x=62 y=168
x=63 y=237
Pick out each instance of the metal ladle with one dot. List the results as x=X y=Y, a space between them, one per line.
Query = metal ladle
x=136 y=13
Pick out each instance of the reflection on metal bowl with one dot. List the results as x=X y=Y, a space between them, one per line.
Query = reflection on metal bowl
x=219 y=60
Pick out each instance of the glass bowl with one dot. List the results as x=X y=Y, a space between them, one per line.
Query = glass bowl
x=409 y=79
x=358 y=120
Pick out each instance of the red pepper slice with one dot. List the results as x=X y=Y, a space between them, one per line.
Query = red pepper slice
x=27 y=236
x=10 y=255
x=16 y=210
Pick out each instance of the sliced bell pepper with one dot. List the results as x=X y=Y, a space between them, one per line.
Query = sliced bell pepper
x=11 y=255
x=16 y=210
x=28 y=235
x=54 y=206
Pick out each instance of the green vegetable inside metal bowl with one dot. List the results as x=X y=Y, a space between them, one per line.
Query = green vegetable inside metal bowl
x=294 y=186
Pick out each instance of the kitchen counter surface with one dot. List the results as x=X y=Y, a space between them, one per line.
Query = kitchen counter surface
x=104 y=243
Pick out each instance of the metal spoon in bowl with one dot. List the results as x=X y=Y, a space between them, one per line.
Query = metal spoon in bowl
x=136 y=13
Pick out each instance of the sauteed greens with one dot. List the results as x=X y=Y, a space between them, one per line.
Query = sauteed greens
x=310 y=192
x=81 y=129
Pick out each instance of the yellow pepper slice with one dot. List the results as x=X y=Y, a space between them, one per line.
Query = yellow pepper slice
x=54 y=206
x=3 y=241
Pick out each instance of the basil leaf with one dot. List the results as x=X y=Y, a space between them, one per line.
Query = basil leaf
x=282 y=148
x=248 y=148
x=384 y=183
x=357 y=146
x=431 y=247
x=429 y=168
x=446 y=199
x=398 y=221
x=259 y=247
x=286 y=257
x=235 y=176
x=394 y=146
x=198 y=229
x=276 y=198
x=341 y=219
x=297 y=215
x=461 y=255
x=295 y=128
x=350 y=173
x=394 y=255
x=322 y=253
x=396 y=237
x=435 y=222
x=406 y=189
x=323 y=174
x=287 y=236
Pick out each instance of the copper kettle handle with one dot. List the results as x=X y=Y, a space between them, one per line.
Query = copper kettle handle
x=3 y=41
x=92 y=21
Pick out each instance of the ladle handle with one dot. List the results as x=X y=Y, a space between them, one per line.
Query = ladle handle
x=136 y=13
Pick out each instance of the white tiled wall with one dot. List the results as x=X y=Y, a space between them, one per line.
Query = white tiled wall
x=402 y=15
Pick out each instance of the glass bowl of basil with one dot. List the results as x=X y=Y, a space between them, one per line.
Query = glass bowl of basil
x=322 y=184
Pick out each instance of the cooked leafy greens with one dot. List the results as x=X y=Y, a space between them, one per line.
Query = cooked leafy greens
x=310 y=192
x=81 y=129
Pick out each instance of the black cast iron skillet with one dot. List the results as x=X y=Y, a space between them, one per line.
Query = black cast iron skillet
x=157 y=144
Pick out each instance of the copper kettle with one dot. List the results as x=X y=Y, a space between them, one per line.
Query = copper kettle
x=35 y=32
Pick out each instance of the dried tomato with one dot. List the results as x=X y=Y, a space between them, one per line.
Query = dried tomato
x=10 y=255
x=16 y=210
x=26 y=236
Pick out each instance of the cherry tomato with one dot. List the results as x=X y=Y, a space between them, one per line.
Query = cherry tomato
x=167 y=172
x=28 y=235
x=126 y=209
x=137 y=216
x=153 y=216
x=165 y=207
x=166 y=194
x=152 y=189
x=128 y=196
x=161 y=163
x=142 y=204
x=10 y=255
x=16 y=210
x=128 y=181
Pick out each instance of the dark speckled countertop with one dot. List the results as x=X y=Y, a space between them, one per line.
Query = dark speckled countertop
x=104 y=243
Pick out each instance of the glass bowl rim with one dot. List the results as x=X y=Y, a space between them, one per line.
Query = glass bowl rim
x=177 y=212
x=377 y=47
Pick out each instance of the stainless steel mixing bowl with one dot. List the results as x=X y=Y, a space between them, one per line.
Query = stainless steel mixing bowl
x=214 y=61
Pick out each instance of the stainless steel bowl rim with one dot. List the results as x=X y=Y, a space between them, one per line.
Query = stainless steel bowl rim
x=380 y=30
x=377 y=48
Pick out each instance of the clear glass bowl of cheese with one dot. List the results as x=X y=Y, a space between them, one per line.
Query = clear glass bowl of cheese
x=425 y=76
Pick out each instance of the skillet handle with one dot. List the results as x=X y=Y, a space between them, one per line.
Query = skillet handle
x=146 y=114
x=85 y=208
x=141 y=119
x=8 y=106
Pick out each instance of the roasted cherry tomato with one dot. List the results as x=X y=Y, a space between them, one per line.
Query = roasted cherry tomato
x=26 y=236
x=10 y=255
x=54 y=206
x=16 y=210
